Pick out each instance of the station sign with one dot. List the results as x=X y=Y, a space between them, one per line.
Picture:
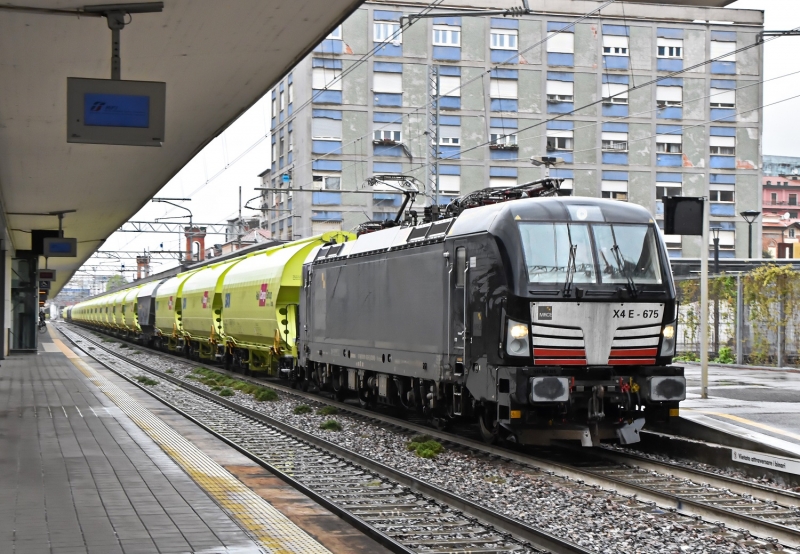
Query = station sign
x=47 y=275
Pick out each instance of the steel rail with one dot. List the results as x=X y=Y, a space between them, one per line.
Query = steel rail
x=683 y=504
x=517 y=529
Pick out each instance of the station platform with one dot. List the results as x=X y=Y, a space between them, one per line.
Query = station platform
x=91 y=463
x=758 y=405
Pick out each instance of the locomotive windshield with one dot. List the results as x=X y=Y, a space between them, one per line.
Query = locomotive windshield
x=597 y=253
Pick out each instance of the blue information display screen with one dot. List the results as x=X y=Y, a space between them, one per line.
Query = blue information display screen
x=60 y=247
x=116 y=110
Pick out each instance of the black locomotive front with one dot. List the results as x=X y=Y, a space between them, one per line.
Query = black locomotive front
x=585 y=322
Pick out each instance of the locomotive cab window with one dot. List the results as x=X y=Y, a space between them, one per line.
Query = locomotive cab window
x=590 y=253
x=548 y=248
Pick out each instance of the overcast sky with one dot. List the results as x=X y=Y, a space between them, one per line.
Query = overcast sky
x=238 y=149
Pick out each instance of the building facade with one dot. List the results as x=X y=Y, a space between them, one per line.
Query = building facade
x=516 y=88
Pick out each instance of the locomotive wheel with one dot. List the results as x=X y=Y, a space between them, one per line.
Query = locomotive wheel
x=488 y=427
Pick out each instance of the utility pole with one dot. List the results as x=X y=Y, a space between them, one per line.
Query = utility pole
x=434 y=93
x=704 y=302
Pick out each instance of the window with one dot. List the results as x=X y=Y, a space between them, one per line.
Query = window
x=504 y=39
x=502 y=182
x=336 y=34
x=291 y=141
x=722 y=98
x=614 y=93
x=326 y=78
x=446 y=35
x=667 y=189
x=724 y=49
x=385 y=30
x=669 y=144
x=773 y=197
x=615 y=45
x=669 y=96
x=563 y=43
x=722 y=146
x=560 y=91
x=615 y=142
x=325 y=128
x=502 y=140
x=387 y=136
x=450 y=184
x=791 y=233
x=290 y=90
x=274 y=107
x=721 y=193
x=283 y=101
x=503 y=88
x=793 y=200
x=670 y=48
x=449 y=135
x=281 y=148
x=387 y=82
x=451 y=85
x=327 y=182
x=559 y=140
x=615 y=190
x=274 y=151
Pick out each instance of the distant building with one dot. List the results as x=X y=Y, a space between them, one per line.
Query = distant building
x=780 y=165
x=780 y=212
x=337 y=121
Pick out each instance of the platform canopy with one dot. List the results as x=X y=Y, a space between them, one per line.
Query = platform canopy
x=217 y=59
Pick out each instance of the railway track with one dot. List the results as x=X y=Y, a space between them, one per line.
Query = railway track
x=394 y=508
x=763 y=511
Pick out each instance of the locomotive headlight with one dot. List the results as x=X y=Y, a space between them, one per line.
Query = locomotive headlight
x=517 y=339
x=668 y=342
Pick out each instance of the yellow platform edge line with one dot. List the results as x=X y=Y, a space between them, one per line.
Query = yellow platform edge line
x=747 y=422
x=272 y=529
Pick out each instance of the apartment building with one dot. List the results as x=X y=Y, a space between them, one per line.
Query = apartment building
x=603 y=95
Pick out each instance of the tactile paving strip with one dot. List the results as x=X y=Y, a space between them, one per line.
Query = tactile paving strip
x=270 y=527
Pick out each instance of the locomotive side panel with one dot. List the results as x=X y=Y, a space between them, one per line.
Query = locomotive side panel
x=385 y=310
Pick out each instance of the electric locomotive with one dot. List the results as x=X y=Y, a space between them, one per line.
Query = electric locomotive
x=541 y=318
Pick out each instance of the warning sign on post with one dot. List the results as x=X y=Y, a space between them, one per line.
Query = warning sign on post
x=767 y=461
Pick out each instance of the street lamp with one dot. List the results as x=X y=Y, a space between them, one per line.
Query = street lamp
x=715 y=233
x=750 y=216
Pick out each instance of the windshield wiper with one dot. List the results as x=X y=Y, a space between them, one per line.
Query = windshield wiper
x=621 y=264
x=570 y=264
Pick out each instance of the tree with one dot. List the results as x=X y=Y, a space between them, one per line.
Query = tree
x=115 y=281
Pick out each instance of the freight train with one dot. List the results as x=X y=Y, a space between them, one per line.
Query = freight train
x=538 y=318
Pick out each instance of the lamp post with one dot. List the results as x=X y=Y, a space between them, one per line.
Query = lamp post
x=715 y=233
x=750 y=217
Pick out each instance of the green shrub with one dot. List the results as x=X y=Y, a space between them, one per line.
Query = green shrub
x=169 y=371
x=328 y=410
x=226 y=392
x=145 y=380
x=425 y=447
x=330 y=425
x=725 y=356
x=302 y=409
x=266 y=395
